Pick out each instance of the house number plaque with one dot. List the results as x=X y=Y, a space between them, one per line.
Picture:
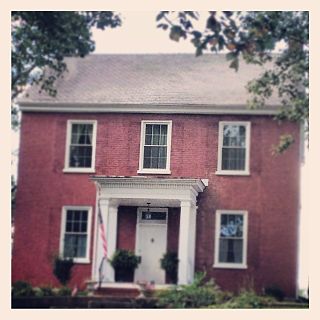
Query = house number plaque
x=153 y=216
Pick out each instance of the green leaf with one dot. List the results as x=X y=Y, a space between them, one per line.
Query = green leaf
x=163 y=26
x=235 y=64
x=161 y=15
x=176 y=33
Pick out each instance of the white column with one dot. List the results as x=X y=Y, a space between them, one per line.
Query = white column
x=187 y=238
x=109 y=213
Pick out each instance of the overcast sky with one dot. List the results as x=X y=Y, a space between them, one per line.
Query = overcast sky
x=139 y=34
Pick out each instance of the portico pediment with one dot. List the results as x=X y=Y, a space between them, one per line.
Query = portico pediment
x=172 y=189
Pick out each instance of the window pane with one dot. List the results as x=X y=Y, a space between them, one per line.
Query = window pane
x=156 y=129
x=233 y=158
x=148 y=139
x=230 y=250
x=234 y=136
x=155 y=139
x=147 y=162
x=154 y=163
x=147 y=152
x=163 y=136
x=148 y=128
x=231 y=225
x=68 y=227
x=80 y=157
x=81 y=246
x=163 y=152
x=162 y=163
x=81 y=134
x=75 y=246
x=164 y=129
x=155 y=152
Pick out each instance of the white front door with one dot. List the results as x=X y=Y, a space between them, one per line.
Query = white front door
x=151 y=244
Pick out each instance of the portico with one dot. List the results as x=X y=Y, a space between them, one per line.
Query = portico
x=113 y=192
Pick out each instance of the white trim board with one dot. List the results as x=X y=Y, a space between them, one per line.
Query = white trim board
x=82 y=107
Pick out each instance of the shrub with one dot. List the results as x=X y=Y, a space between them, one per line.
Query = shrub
x=22 y=289
x=124 y=259
x=198 y=294
x=275 y=292
x=64 y=291
x=62 y=269
x=47 y=291
x=169 y=263
x=245 y=300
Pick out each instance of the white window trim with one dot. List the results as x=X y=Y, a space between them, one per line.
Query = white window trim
x=142 y=139
x=86 y=259
x=218 y=264
x=246 y=170
x=67 y=148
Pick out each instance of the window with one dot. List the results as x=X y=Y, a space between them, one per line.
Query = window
x=234 y=143
x=75 y=233
x=153 y=215
x=155 y=147
x=231 y=239
x=80 y=146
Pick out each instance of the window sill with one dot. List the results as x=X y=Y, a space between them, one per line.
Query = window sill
x=232 y=173
x=230 y=266
x=79 y=170
x=81 y=260
x=144 y=171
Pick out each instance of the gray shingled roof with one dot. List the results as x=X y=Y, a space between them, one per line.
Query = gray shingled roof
x=164 y=79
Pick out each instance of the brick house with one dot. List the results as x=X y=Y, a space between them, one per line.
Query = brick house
x=167 y=148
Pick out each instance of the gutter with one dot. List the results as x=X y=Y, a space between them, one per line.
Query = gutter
x=239 y=109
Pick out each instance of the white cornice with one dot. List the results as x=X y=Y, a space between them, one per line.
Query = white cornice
x=149 y=183
x=142 y=108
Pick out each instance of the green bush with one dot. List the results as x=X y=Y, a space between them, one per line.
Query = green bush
x=199 y=294
x=169 y=263
x=124 y=259
x=47 y=291
x=64 y=291
x=247 y=299
x=62 y=269
x=22 y=289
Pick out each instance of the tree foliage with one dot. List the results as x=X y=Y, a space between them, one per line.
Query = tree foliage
x=42 y=39
x=254 y=36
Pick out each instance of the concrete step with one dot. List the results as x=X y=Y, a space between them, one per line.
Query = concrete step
x=117 y=292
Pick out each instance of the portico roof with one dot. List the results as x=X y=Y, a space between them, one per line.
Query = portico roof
x=135 y=190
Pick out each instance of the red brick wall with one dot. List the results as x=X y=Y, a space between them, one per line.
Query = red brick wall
x=269 y=194
x=127 y=223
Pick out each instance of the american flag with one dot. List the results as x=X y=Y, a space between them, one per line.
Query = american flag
x=102 y=233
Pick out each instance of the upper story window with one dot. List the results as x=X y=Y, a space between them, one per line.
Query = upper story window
x=75 y=233
x=231 y=239
x=80 y=146
x=234 y=148
x=155 y=147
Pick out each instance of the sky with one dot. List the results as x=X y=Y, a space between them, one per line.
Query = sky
x=138 y=34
